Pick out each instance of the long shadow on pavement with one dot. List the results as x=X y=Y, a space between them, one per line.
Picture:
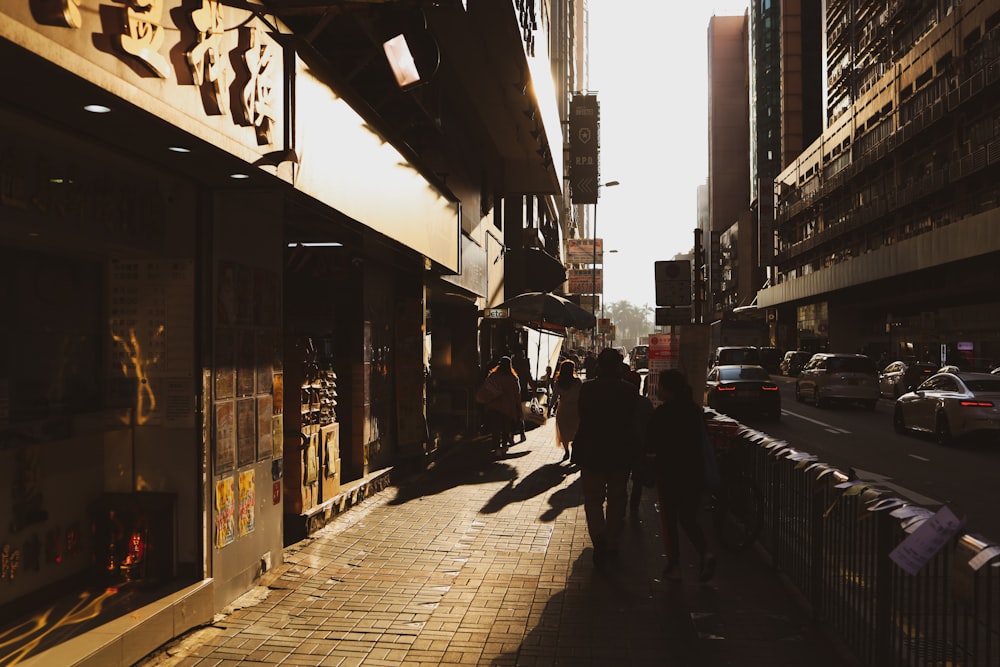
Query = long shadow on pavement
x=536 y=483
x=470 y=462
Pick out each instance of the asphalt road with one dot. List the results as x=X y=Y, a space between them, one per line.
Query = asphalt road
x=964 y=476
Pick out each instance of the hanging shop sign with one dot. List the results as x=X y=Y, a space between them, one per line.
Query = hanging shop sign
x=231 y=65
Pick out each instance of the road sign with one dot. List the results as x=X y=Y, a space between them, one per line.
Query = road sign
x=584 y=124
x=581 y=251
x=581 y=281
x=673 y=283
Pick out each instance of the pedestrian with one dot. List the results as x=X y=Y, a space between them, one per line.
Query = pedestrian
x=522 y=369
x=674 y=442
x=638 y=472
x=566 y=394
x=590 y=365
x=545 y=382
x=501 y=399
x=604 y=449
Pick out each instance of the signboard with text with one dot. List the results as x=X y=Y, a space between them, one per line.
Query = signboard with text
x=584 y=126
x=581 y=251
x=582 y=281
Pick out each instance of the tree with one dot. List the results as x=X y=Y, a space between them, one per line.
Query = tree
x=631 y=322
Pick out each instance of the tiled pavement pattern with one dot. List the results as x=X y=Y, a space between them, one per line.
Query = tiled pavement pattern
x=488 y=562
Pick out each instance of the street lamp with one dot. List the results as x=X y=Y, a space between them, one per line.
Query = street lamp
x=610 y=252
x=593 y=274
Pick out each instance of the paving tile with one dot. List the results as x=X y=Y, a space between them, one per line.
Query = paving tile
x=484 y=562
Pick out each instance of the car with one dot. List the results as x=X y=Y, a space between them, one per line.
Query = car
x=950 y=406
x=742 y=388
x=949 y=369
x=899 y=377
x=829 y=376
x=793 y=361
x=728 y=355
x=639 y=357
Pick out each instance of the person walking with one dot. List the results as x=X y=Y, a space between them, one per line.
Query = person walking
x=502 y=407
x=522 y=370
x=566 y=394
x=673 y=441
x=604 y=449
x=643 y=410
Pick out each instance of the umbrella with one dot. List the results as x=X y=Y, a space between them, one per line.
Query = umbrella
x=548 y=308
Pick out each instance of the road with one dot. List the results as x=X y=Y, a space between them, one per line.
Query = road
x=965 y=476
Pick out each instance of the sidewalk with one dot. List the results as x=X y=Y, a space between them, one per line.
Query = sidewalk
x=488 y=562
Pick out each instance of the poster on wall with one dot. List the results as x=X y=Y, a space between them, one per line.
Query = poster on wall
x=277 y=392
x=278 y=436
x=225 y=436
x=245 y=361
x=225 y=510
x=265 y=359
x=225 y=363
x=246 y=507
x=265 y=438
x=246 y=432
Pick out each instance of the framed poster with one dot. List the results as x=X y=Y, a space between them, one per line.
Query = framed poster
x=245 y=362
x=225 y=436
x=246 y=432
x=330 y=437
x=278 y=436
x=310 y=460
x=265 y=439
x=225 y=363
x=277 y=392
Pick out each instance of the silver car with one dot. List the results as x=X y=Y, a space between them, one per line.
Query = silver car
x=950 y=405
x=828 y=377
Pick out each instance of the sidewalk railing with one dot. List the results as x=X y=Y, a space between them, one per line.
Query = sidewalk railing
x=831 y=536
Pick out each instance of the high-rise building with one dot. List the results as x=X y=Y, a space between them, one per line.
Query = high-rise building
x=888 y=224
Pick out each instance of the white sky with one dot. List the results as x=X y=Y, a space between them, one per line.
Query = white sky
x=648 y=66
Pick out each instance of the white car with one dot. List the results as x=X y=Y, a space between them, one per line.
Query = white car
x=848 y=378
x=951 y=405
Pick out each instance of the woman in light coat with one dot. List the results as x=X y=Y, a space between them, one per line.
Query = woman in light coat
x=566 y=393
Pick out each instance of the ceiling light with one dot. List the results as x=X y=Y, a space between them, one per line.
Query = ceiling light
x=178 y=149
x=315 y=244
x=239 y=176
x=97 y=108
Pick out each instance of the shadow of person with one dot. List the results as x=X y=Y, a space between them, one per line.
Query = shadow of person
x=615 y=616
x=564 y=498
x=472 y=463
x=536 y=483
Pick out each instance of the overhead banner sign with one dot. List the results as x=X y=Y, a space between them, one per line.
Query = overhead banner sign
x=581 y=251
x=582 y=281
x=584 y=126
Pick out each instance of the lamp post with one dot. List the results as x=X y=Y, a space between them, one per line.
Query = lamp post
x=593 y=270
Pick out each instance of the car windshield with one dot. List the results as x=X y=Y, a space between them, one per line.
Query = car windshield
x=743 y=373
x=850 y=365
x=983 y=386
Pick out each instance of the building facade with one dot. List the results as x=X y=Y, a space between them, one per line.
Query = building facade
x=888 y=222
x=235 y=247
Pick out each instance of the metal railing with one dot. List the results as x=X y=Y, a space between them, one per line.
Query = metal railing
x=831 y=536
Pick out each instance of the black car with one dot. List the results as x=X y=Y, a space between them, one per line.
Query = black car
x=793 y=362
x=742 y=389
x=639 y=357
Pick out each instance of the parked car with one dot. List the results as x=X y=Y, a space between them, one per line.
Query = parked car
x=951 y=405
x=742 y=389
x=830 y=377
x=949 y=369
x=639 y=357
x=899 y=377
x=793 y=361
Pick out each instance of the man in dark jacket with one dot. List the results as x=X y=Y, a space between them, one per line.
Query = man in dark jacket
x=605 y=448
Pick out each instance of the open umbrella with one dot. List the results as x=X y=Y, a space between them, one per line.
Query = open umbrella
x=548 y=308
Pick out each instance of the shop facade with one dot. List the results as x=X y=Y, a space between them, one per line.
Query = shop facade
x=215 y=315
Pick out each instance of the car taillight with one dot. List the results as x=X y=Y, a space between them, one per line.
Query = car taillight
x=767 y=387
x=725 y=388
x=976 y=404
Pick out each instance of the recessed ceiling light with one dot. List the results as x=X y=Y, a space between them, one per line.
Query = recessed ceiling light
x=33 y=234
x=61 y=181
x=178 y=149
x=239 y=176
x=315 y=244
x=97 y=108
